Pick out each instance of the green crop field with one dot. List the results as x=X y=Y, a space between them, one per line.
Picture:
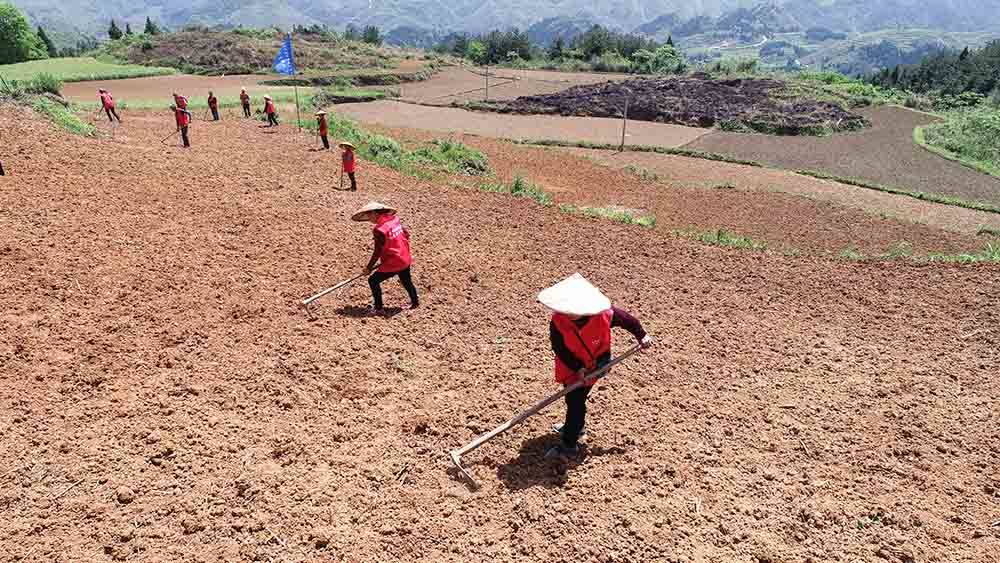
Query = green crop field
x=78 y=70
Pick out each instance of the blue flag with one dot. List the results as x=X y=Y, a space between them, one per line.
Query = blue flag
x=284 y=63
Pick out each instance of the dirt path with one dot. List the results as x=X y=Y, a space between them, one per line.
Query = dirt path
x=885 y=154
x=695 y=172
x=163 y=398
x=449 y=120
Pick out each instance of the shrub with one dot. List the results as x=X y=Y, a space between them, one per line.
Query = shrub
x=455 y=156
x=611 y=62
x=45 y=83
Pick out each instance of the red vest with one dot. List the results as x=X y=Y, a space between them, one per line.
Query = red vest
x=588 y=344
x=396 y=251
x=269 y=107
x=213 y=102
x=245 y=98
x=107 y=101
x=323 y=127
x=182 y=117
x=181 y=102
x=349 y=162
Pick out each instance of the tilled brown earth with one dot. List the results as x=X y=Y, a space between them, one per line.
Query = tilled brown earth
x=163 y=398
x=884 y=154
x=153 y=87
x=789 y=212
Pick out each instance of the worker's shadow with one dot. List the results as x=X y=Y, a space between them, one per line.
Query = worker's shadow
x=358 y=312
x=531 y=469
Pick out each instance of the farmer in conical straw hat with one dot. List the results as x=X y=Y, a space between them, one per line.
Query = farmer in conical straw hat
x=392 y=252
x=324 y=129
x=349 y=163
x=580 y=332
x=272 y=114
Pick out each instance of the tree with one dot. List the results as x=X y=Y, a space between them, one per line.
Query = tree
x=556 y=49
x=151 y=28
x=49 y=45
x=964 y=55
x=17 y=42
x=372 y=35
x=114 y=32
x=128 y=29
x=670 y=40
x=351 y=33
x=477 y=52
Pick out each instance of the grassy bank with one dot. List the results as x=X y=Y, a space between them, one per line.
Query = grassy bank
x=62 y=116
x=970 y=137
x=441 y=155
x=79 y=69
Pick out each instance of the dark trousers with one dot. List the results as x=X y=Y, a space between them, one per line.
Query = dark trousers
x=272 y=119
x=354 y=182
x=215 y=114
x=184 y=136
x=112 y=112
x=376 y=279
x=1 y=169
x=576 y=416
x=246 y=110
x=326 y=141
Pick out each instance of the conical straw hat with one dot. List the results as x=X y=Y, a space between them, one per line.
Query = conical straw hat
x=320 y=112
x=346 y=144
x=370 y=207
x=575 y=296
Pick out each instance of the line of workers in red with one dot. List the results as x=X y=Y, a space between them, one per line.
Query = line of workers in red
x=582 y=316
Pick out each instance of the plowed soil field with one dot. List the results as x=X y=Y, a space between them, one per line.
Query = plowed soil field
x=163 y=398
x=163 y=86
x=462 y=84
x=885 y=154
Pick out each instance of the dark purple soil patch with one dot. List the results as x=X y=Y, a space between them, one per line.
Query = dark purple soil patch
x=697 y=101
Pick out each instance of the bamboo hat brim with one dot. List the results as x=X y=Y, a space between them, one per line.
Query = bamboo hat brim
x=371 y=207
x=575 y=296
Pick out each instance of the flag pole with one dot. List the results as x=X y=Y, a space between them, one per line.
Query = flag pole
x=298 y=115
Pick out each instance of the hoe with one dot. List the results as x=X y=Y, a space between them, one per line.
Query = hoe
x=309 y=301
x=456 y=455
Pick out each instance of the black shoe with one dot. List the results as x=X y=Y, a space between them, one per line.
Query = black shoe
x=558 y=428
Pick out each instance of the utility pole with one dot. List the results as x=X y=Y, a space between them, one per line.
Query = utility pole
x=628 y=97
x=487 y=82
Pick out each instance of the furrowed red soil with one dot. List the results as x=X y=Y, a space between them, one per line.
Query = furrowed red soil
x=154 y=87
x=885 y=154
x=165 y=399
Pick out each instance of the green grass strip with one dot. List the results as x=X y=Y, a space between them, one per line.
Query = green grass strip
x=722 y=237
x=920 y=138
x=619 y=215
x=923 y=196
x=519 y=187
x=62 y=116
x=78 y=69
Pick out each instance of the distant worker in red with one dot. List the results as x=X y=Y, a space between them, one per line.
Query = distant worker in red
x=183 y=118
x=245 y=102
x=108 y=105
x=349 y=164
x=213 y=104
x=580 y=334
x=272 y=114
x=324 y=129
x=180 y=101
x=391 y=254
